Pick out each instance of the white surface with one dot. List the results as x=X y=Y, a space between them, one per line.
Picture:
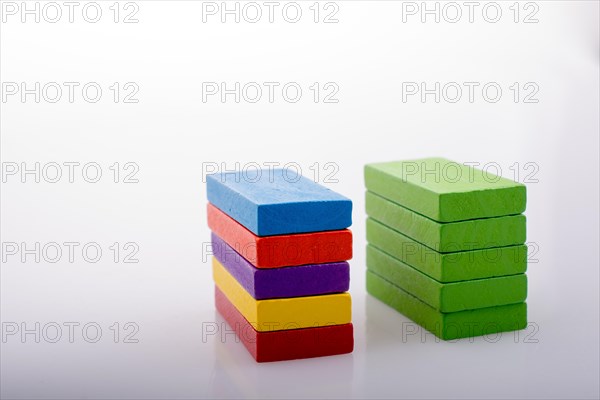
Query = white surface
x=171 y=132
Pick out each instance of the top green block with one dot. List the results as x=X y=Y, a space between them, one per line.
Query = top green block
x=444 y=190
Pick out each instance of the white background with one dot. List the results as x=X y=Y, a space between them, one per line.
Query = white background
x=172 y=136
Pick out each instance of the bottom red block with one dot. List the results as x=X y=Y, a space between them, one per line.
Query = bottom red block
x=287 y=344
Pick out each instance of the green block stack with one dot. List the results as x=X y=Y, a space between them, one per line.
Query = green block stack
x=446 y=246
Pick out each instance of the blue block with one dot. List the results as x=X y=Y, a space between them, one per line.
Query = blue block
x=278 y=202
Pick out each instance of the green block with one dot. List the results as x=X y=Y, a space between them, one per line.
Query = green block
x=451 y=236
x=448 y=267
x=444 y=190
x=448 y=297
x=448 y=326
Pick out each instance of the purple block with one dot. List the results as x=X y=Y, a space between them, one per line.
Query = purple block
x=296 y=281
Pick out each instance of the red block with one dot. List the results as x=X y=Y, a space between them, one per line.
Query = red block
x=288 y=344
x=281 y=250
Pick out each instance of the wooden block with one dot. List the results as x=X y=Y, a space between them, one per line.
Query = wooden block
x=448 y=267
x=289 y=344
x=448 y=297
x=281 y=250
x=444 y=190
x=278 y=202
x=269 y=283
x=281 y=314
x=451 y=236
x=448 y=326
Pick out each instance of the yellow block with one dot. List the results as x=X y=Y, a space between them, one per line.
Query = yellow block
x=288 y=313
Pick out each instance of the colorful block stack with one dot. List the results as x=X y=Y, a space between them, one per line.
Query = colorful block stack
x=280 y=246
x=446 y=246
